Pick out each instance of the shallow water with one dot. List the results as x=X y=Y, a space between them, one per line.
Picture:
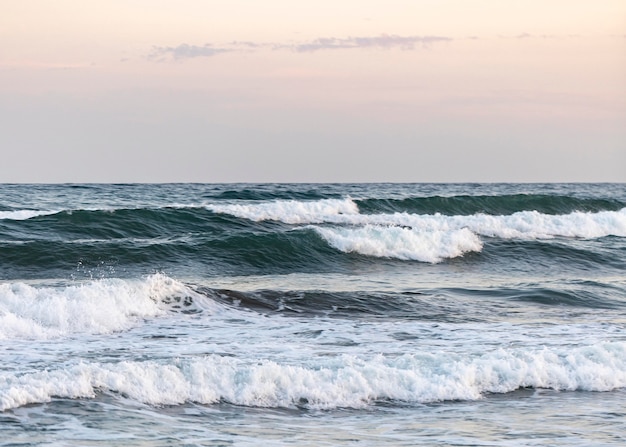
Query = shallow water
x=524 y=417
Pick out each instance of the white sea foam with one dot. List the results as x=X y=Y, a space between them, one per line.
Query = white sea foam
x=96 y=307
x=29 y=214
x=401 y=243
x=344 y=381
x=523 y=224
x=289 y=211
x=520 y=225
x=535 y=225
x=25 y=214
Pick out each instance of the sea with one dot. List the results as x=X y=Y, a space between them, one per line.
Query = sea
x=313 y=314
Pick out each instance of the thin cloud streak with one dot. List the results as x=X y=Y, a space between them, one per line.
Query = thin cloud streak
x=384 y=41
x=186 y=51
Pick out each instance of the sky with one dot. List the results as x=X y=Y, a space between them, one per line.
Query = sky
x=312 y=91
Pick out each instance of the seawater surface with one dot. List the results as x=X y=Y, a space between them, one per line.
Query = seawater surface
x=313 y=314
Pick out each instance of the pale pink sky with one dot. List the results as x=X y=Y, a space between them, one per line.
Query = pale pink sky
x=212 y=91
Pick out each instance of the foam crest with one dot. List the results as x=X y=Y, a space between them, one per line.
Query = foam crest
x=96 y=307
x=24 y=214
x=523 y=224
x=401 y=243
x=345 y=381
x=289 y=211
x=532 y=224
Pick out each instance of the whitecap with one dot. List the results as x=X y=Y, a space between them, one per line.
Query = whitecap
x=95 y=307
x=401 y=243
x=25 y=214
x=340 y=382
x=289 y=211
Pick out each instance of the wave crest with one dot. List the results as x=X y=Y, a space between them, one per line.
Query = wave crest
x=401 y=243
x=25 y=214
x=289 y=211
x=96 y=307
x=345 y=381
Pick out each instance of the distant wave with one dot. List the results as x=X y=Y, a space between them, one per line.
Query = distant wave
x=290 y=211
x=521 y=224
x=286 y=235
x=425 y=237
x=25 y=214
x=488 y=204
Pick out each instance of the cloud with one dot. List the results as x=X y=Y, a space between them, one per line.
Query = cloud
x=186 y=51
x=535 y=36
x=384 y=41
x=247 y=44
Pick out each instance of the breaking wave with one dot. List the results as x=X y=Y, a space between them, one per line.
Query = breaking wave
x=344 y=381
x=402 y=243
x=95 y=307
x=290 y=211
x=425 y=237
x=282 y=235
x=522 y=224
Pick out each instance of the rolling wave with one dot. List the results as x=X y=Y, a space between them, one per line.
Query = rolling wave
x=25 y=214
x=521 y=224
x=290 y=211
x=401 y=243
x=428 y=238
x=489 y=204
x=297 y=234
x=109 y=305
x=346 y=381
x=459 y=304
x=95 y=307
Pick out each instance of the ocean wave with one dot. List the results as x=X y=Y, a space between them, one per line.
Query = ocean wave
x=186 y=218
x=25 y=214
x=345 y=381
x=95 y=307
x=285 y=235
x=289 y=211
x=425 y=237
x=248 y=248
x=446 y=305
x=402 y=243
x=521 y=224
x=488 y=204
